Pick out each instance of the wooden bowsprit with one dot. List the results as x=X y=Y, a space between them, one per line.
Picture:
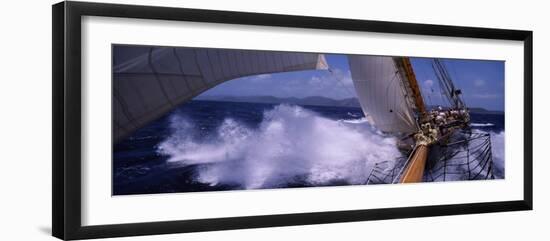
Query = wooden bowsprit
x=414 y=170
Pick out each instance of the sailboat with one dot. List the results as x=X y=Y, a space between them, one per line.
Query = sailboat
x=151 y=81
x=438 y=142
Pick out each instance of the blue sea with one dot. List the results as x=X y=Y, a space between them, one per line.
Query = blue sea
x=213 y=146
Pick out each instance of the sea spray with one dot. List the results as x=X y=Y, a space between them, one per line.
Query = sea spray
x=290 y=145
x=481 y=124
x=497 y=151
x=497 y=146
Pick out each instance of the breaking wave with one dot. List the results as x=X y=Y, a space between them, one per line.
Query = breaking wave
x=356 y=121
x=497 y=147
x=481 y=124
x=497 y=151
x=291 y=144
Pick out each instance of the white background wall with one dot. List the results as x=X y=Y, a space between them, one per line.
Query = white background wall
x=25 y=123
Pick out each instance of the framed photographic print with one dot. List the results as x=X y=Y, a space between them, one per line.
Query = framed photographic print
x=172 y=120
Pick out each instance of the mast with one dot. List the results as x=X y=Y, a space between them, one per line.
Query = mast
x=414 y=171
x=411 y=79
x=390 y=97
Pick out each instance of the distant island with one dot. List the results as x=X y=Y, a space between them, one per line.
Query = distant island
x=310 y=100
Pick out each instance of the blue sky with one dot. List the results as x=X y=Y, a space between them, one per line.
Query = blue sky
x=481 y=81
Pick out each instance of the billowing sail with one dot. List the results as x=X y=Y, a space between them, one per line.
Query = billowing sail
x=379 y=87
x=147 y=83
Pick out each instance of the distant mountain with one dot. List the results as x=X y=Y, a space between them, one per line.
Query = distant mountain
x=310 y=100
x=315 y=101
x=480 y=110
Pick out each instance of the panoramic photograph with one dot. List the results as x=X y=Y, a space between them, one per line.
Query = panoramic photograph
x=189 y=119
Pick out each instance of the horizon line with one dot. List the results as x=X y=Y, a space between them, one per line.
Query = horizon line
x=280 y=97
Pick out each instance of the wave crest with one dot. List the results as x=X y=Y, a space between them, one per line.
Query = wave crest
x=497 y=148
x=291 y=144
x=481 y=124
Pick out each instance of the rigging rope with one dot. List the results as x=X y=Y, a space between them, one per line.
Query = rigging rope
x=352 y=94
x=458 y=84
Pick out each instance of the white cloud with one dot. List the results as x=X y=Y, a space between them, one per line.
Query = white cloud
x=486 y=96
x=343 y=77
x=315 y=80
x=428 y=83
x=337 y=84
x=479 y=82
x=263 y=76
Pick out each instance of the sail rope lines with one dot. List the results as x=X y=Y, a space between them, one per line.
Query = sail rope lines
x=429 y=89
x=340 y=81
x=397 y=78
x=451 y=66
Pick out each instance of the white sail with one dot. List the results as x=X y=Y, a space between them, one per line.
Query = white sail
x=378 y=85
x=150 y=81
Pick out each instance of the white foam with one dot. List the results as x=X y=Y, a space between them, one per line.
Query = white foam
x=497 y=147
x=497 y=151
x=356 y=121
x=481 y=124
x=291 y=142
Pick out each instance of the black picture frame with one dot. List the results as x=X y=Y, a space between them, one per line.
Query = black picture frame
x=67 y=134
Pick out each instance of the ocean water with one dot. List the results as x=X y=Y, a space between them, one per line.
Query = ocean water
x=213 y=146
